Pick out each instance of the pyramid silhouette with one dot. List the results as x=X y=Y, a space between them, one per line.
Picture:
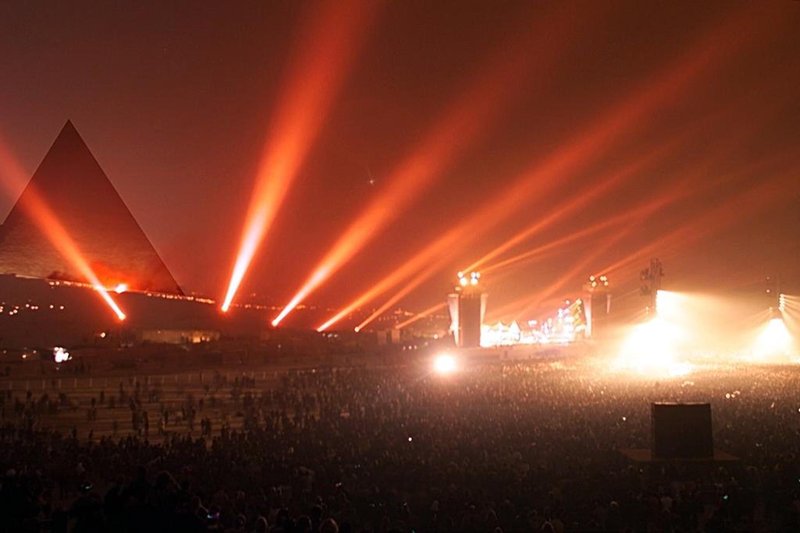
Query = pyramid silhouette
x=72 y=184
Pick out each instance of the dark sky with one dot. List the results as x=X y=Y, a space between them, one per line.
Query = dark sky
x=175 y=101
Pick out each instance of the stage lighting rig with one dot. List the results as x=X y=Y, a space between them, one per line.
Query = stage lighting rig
x=651 y=284
x=469 y=280
x=598 y=281
x=467 y=305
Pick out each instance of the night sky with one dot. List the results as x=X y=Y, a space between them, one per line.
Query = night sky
x=690 y=108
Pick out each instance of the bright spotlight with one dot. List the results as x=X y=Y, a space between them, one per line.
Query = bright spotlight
x=650 y=350
x=120 y=288
x=323 y=58
x=61 y=355
x=445 y=364
x=668 y=304
x=774 y=340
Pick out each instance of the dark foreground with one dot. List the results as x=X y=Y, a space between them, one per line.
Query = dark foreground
x=526 y=447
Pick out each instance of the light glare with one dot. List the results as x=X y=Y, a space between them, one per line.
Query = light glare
x=774 y=340
x=650 y=349
x=445 y=364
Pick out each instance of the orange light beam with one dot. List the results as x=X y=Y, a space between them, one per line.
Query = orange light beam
x=575 y=203
x=714 y=219
x=318 y=70
x=47 y=222
x=568 y=277
x=631 y=218
x=679 y=236
x=600 y=186
x=745 y=204
x=422 y=314
x=543 y=178
x=493 y=87
x=684 y=188
x=622 y=218
x=432 y=265
x=430 y=253
x=408 y=286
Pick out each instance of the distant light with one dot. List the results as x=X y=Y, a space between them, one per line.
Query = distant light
x=61 y=355
x=445 y=364
x=774 y=340
x=472 y=279
x=120 y=288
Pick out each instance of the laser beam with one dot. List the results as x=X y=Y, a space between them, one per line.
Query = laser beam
x=493 y=87
x=626 y=217
x=422 y=314
x=318 y=70
x=48 y=223
x=543 y=177
x=723 y=214
x=601 y=186
x=691 y=183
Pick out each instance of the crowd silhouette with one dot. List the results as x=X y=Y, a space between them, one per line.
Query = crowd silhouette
x=530 y=446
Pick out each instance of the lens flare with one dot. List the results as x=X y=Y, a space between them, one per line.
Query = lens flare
x=318 y=71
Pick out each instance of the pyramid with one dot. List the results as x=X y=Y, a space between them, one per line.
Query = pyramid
x=72 y=184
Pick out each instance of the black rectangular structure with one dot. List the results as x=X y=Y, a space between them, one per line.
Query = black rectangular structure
x=681 y=430
x=469 y=318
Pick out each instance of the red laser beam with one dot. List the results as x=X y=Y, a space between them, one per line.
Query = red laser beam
x=673 y=194
x=568 y=277
x=48 y=223
x=422 y=314
x=743 y=204
x=492 y=89
x=627 y=217
x=679 y=191
x=542 y=178
x=691 y=183
x=601 y=186
x=320 y=66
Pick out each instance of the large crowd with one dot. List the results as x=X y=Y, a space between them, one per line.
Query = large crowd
x=529 y=446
